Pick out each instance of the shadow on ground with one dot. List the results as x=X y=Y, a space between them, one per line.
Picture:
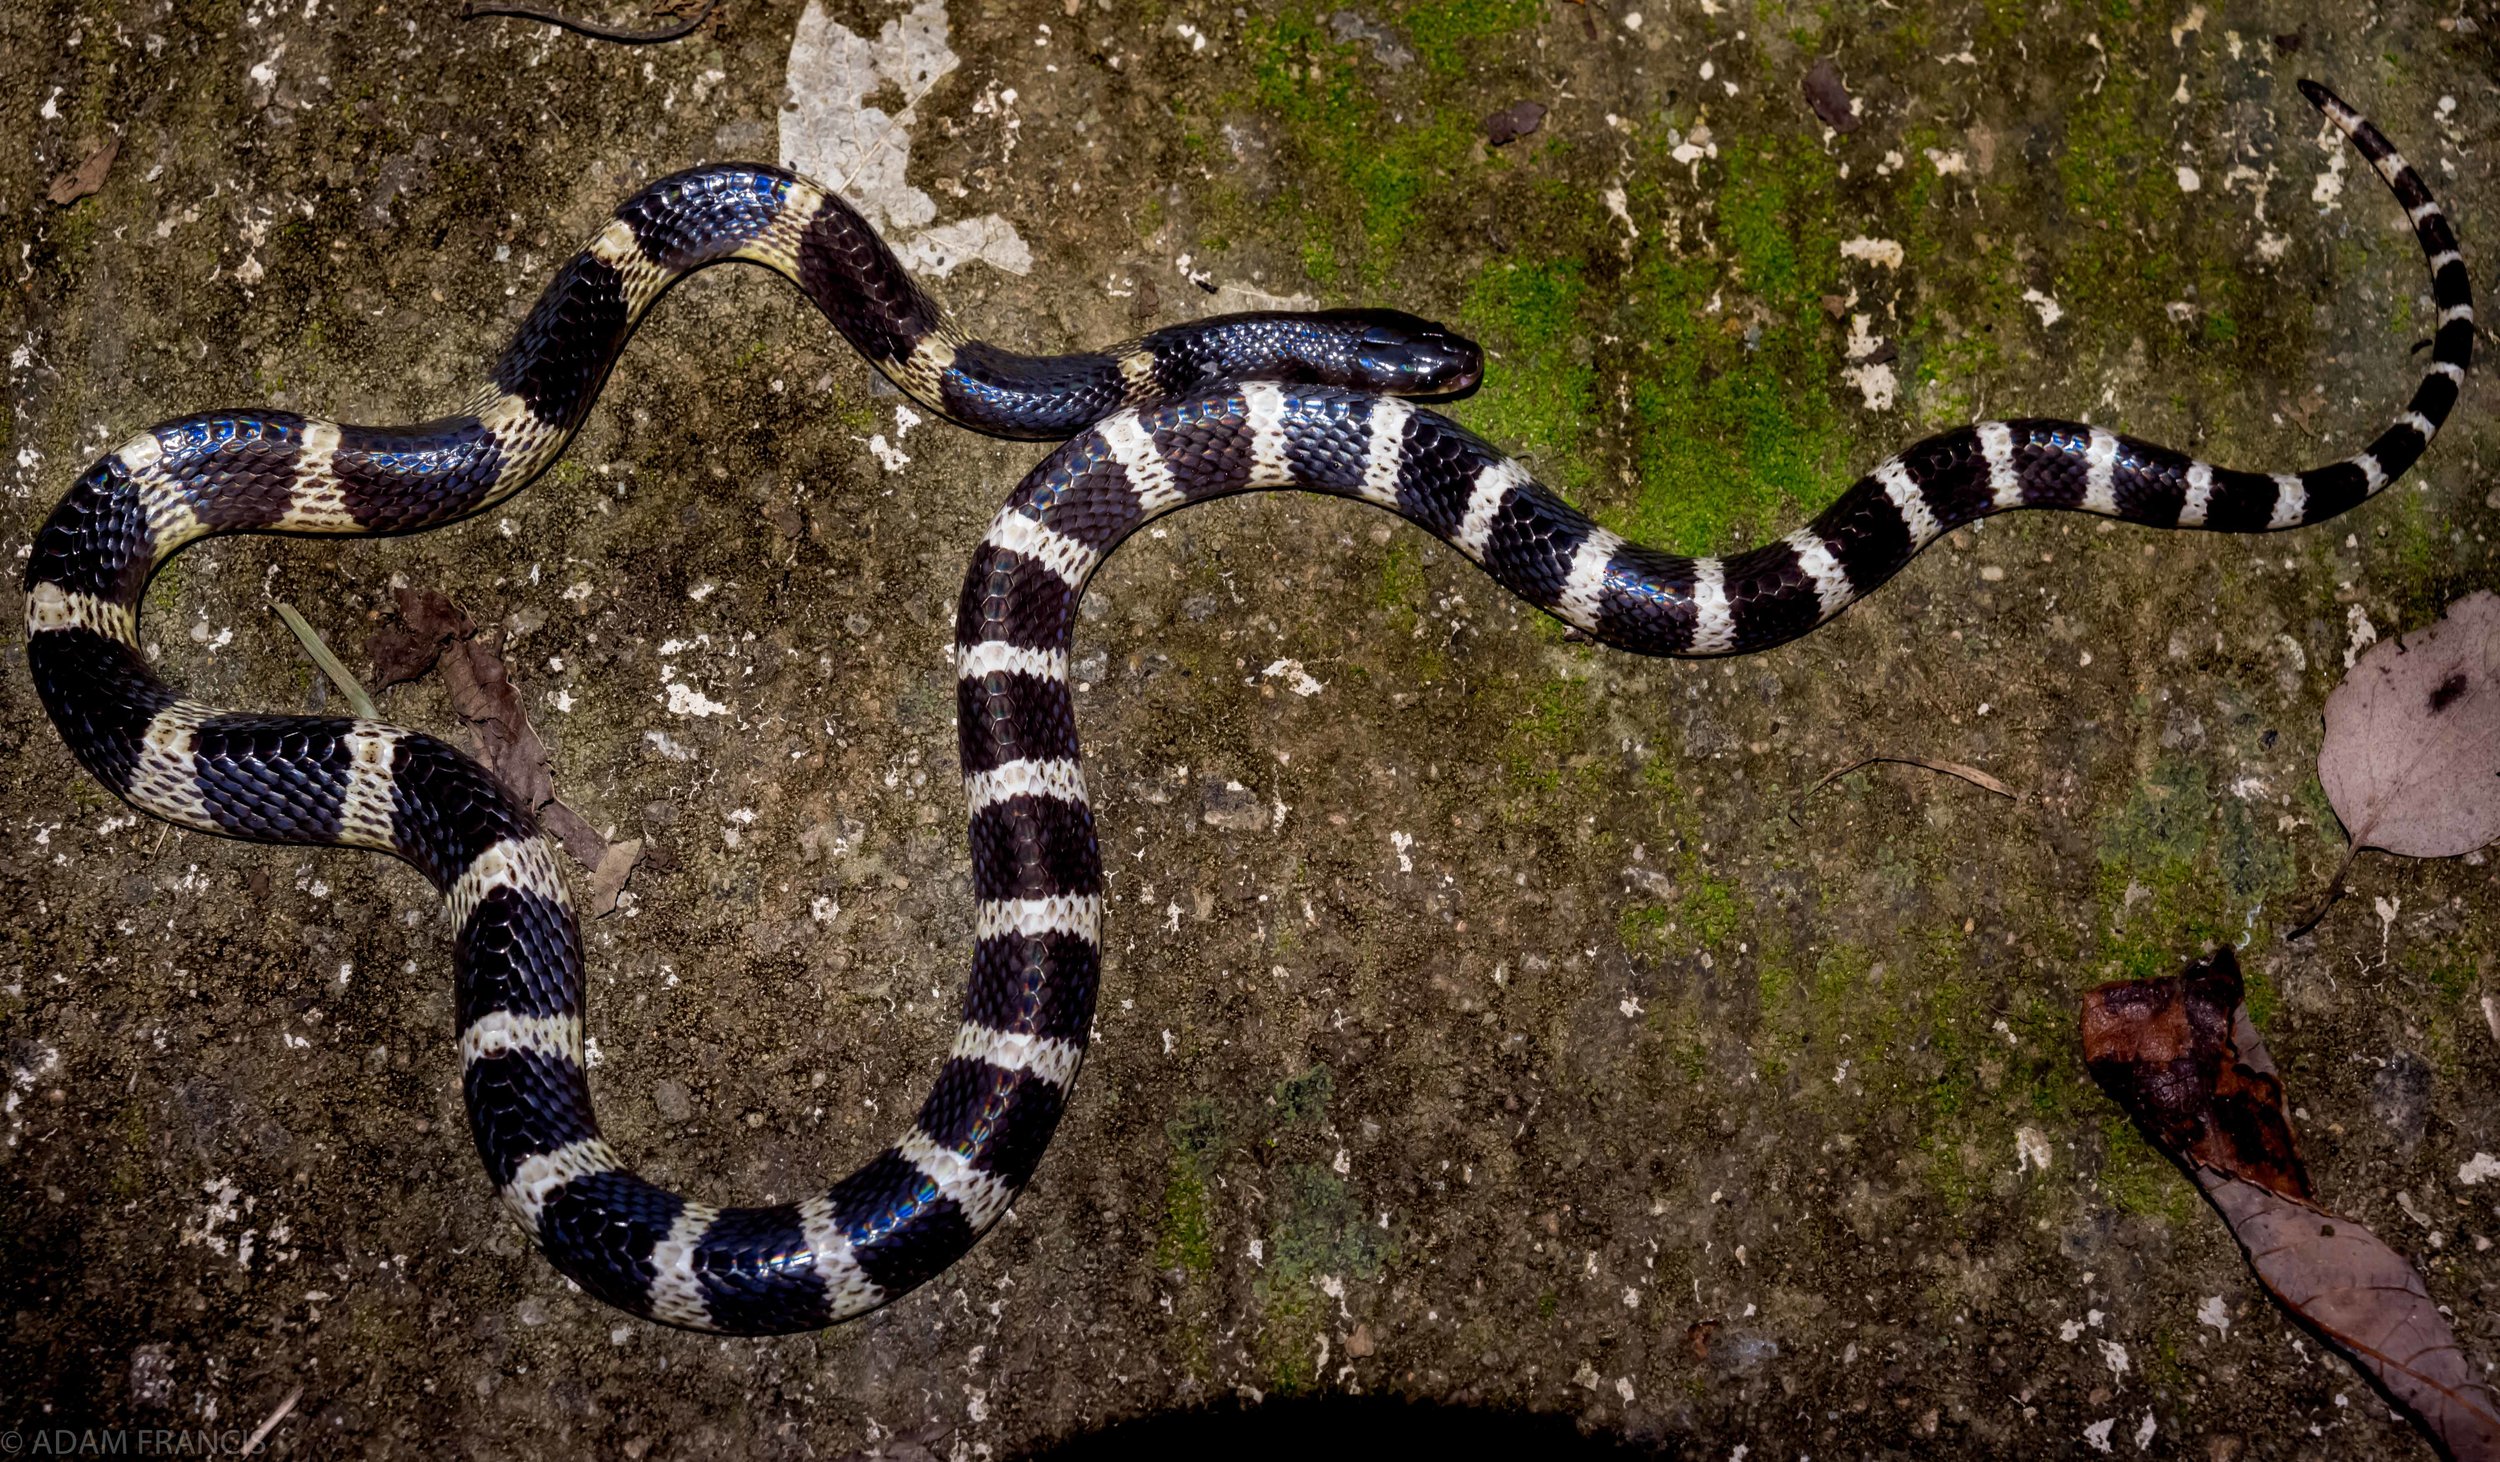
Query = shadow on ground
x=1340 y=1426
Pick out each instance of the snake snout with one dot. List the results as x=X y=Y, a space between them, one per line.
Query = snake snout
x=1408 y=356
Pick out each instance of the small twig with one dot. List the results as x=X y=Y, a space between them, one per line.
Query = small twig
x=592 y=29
x=357 y=700
x=261 y=1433
x=2334 y=893
x=1972 y=775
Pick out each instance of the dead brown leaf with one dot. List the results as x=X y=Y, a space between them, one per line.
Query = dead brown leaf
x=2411 y=758
x=408 y=649
x=88 y=176
x=2182 y=1056
x=434 y=633
x=607 y=881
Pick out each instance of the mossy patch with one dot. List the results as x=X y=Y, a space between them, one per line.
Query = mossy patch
x=1320 y=1235
x=1732 y=424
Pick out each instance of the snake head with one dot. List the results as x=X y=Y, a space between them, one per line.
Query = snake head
x=1402 y=355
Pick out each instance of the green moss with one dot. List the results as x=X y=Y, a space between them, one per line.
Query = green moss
x=1542 y=399
x=1712 y=912
x=1708 y=916
x=1541 y=736
x=1378 y=168
x=1448 y=33
x=1320 y=1232
x=1185 y=1237
x=1400 y=587
x=130 y=1175
x=1185 y=1231
x=1733 y=425
x=1303 y=1099
x=2138 y=1179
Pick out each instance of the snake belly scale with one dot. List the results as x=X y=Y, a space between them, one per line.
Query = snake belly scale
x=1193 y=413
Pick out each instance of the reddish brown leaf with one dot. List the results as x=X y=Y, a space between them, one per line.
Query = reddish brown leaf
x=2165 y=1050
x=88 y=176
x=2364 y=1299
x=2182 y=1056
x=588 y=847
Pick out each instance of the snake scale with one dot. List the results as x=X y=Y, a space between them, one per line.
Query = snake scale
x=1237 y=404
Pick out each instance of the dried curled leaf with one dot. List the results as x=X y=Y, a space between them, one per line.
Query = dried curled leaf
x=433 y=632
x=2182 y=1056
x=88 y=176
x=607 y=881
x=2411 y=759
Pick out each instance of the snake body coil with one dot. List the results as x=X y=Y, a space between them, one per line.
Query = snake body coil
x=1186 y=415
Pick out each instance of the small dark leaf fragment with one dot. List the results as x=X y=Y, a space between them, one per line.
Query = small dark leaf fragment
x=1513 y=122
x=1829 y=97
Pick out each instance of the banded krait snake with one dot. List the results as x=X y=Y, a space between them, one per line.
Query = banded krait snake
x=1189 y=414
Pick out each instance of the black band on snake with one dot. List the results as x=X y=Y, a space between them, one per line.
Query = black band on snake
x=1197 y=412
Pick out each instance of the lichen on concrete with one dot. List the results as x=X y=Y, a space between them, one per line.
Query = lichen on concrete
x=1500 y=1022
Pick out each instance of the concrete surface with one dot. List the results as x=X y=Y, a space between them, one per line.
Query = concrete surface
x=1488 y=1018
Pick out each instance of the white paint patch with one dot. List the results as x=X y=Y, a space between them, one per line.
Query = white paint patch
x=2364 y=634
x=888 y=455
x=2189 y=182
x=1882 y=252
x=2481 y=1168
x=949 y=246
x=1948 y=164
x=1296 y=678
x=2214 y=1313
x=1878 y=385
x=829 y=132
x=685 y=700
x=2050 y=310
x=2328 y=191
